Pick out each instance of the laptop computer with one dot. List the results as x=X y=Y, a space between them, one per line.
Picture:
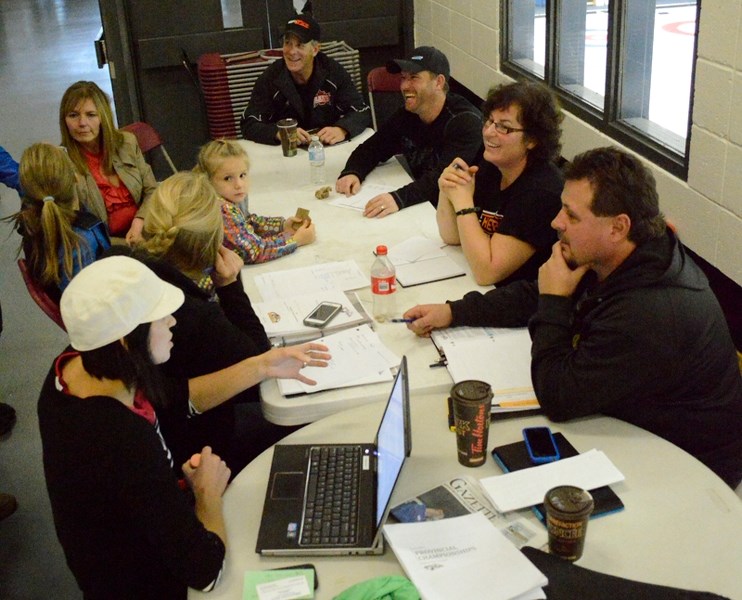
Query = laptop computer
x=294 y=523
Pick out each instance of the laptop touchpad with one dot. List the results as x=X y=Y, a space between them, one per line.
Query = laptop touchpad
x=288 y=485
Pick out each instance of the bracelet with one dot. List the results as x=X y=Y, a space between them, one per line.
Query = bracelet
x=468 y=211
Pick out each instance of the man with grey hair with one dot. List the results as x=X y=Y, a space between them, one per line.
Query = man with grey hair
x=309 y=86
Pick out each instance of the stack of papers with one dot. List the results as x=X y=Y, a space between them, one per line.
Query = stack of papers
x=527 y=487
x=422 y=260
x=283 y=319
x=358 y=357
x=463 y=557
x=501 y=357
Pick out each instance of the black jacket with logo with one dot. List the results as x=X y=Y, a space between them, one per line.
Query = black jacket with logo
x=336 y=101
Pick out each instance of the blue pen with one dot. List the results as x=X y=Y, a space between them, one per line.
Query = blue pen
x=401 y=320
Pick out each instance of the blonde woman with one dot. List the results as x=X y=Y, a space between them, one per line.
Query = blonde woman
x=116 y=180
x=183 y=242
x=254 y=238
x=59 y=238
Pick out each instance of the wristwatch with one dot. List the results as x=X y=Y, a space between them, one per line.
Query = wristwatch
x=468 y=211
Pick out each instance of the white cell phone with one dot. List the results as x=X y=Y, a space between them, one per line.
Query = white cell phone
x=322 y=314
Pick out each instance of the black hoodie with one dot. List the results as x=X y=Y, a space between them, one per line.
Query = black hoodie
x=649 y=345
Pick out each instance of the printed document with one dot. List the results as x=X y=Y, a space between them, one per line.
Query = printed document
x=457 y=497
x=463 y=557
x=358 y=357
x=283 y=319
x=501 y=357
x=343 y=275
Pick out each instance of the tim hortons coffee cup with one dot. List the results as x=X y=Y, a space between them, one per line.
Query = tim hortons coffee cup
x=288 y=135
x=568 y=509
x=472 y=402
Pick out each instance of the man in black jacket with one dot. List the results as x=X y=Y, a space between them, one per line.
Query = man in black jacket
x=431 y=130
x=622 y=321
x=306 y=85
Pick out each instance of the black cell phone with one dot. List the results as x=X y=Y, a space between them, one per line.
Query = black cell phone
x=322 y=314
x=303 y=566
x=540 y=445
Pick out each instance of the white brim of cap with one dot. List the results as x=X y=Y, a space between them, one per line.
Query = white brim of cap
x=110 y=298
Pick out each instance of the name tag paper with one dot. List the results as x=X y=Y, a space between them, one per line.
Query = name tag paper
x=291 y=588
x=279 y=584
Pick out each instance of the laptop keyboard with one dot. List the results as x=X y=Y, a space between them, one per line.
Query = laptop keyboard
x=331 y=505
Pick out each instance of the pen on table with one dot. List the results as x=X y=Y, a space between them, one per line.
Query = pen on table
x=401 y=320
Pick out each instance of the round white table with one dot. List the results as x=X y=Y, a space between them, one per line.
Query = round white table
x=278 y=186
x=681 y=526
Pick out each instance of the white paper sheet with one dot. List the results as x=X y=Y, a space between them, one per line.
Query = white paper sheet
x=342 y=275
x=527 y=487
x=414 y=249
x=359 y=201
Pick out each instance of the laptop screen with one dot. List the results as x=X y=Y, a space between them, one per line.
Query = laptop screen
x=390 y=443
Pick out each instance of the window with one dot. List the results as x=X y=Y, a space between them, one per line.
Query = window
x=624 y=66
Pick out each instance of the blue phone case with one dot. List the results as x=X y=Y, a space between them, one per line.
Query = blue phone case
x=540 y=456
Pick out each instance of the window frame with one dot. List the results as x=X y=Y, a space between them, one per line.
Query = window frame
x=631 y=135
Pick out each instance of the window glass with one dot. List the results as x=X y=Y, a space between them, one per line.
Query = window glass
x=527 y=35
x=623 y=66
x=657 y=56
x=582 y=49
x=231 y=13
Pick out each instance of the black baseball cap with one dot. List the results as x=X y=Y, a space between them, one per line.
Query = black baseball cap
x=424 y=58
x=304 y=27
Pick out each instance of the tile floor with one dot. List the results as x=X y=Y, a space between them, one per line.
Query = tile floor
x=45 y=45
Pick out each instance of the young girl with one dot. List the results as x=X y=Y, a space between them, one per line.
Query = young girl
x=254 y=238
x=59 y=238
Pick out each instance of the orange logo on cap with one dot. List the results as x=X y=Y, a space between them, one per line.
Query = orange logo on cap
x=300 y=23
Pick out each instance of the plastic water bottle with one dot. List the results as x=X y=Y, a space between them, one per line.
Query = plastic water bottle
x=383 y=286
x=316 y=161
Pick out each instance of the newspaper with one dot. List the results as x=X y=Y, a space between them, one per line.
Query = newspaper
x=460 y=496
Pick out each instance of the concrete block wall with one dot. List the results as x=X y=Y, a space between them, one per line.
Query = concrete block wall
x=707 y=208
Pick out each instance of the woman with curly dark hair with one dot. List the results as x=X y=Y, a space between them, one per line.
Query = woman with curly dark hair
x=500 y=210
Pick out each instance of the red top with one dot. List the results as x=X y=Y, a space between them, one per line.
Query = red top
x=119 y=202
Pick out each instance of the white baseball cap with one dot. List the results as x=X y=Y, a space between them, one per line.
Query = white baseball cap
x=110 y=298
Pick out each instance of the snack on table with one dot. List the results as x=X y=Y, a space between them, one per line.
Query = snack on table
x=302 y=214
x=323 y=192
